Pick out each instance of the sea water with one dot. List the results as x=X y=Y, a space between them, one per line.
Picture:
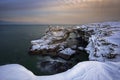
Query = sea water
x=15 y=43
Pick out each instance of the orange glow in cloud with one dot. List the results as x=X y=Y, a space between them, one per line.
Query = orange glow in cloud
x=70 y=12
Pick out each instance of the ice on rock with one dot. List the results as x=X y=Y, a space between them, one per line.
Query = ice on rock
x=80 y=48
x=60 y=33
x=104 y=43
x=34 y=47
x=67 y=51
x=34 y=42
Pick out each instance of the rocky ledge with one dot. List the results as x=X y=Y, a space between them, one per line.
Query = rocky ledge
x=100 y=40
x=58 y=41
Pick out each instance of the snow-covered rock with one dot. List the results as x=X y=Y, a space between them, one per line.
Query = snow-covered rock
x=90 y=70
x=67 y=51
x=55 y=42
x=104 y=43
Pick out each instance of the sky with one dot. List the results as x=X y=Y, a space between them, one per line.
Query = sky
x=59 y=11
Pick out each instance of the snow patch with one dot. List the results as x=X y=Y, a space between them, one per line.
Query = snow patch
x=67 y=51
x=90 y=70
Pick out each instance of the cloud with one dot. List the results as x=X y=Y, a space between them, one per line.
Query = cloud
x=59 y=11
x=21 y=4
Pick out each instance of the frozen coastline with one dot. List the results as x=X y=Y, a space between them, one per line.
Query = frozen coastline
x=103 y=41
x=103 y=49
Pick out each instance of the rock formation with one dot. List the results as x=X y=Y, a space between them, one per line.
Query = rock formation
x=103 y=44
x=58 y=41
x=102 y=39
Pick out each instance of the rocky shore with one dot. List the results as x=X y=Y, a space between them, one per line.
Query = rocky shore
x=60 y=43
x=66 y=45
x=100 y=40
x=97 y=41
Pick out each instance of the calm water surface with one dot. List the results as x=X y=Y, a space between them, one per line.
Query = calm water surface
x=15 y=43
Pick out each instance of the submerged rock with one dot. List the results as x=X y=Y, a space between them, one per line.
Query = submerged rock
x=53 y=67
